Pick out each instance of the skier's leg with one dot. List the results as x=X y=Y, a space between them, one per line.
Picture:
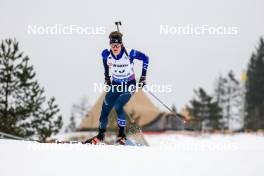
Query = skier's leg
x=121 y=115
x=108 y=103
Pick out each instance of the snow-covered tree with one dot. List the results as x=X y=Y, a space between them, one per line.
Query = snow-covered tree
x=78 y=112
x=24 y=110
x=229 y=93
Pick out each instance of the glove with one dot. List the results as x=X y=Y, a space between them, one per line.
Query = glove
x=142 y=81
x=107 y=81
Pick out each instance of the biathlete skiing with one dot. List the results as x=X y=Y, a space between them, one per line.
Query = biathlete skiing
x=120 y=78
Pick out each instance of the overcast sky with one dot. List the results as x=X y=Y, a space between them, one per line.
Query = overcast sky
x=68 y=65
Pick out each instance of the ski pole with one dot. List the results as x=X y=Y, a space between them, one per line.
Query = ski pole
x=118 y=23
x=179 y=116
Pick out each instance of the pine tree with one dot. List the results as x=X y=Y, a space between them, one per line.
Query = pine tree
x=24 y=110
x=205 y=110
x=174 y=109
x=72 y=126
x=255 y=90
x=78 y=112
x=229 y=94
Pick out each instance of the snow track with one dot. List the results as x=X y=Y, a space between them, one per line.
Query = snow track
x=170 y=154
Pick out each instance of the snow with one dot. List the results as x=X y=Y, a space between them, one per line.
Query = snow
x=168 y=154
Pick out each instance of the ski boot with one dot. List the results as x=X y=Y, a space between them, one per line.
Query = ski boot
x=121 y=139
x=99 y=138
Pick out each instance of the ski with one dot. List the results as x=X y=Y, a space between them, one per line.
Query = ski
x=127 y=143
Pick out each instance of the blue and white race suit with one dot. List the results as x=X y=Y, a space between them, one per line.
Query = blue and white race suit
x=121 y=69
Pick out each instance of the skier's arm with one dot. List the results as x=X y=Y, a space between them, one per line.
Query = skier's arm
x=134 y=54
x=105 y=54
